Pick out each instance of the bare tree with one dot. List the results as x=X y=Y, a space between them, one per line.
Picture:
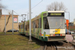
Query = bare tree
x=55 y=6
x=4 y=7
x=7 y=21
x=1 y=7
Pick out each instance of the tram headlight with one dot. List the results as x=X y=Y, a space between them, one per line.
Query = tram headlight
x=52 y=34
x=60 y=34
x=63 y=34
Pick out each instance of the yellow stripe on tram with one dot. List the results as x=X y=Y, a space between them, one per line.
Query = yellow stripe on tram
x=57 y=31
x=45 y=35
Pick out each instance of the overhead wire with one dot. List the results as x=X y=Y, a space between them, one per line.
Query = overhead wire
x=36 y=4
x=9 y=11
x=31 y=8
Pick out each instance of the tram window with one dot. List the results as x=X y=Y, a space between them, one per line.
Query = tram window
x=26 y=27
x=45 y=21
x=33 y=24
x=40 y=23
x=37 y=23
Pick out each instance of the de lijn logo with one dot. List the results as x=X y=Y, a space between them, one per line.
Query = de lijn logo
x=55 y=31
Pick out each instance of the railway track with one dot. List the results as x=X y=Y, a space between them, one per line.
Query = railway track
x=58 y=46
x=50 y=46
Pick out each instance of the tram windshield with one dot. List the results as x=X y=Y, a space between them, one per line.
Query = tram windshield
x=56 y=22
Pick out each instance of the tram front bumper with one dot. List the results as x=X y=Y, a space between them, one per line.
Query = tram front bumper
x=56 y=38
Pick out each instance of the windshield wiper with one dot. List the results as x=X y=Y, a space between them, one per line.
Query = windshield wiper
x=59 y=26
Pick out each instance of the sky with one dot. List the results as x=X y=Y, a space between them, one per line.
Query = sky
x=22 y=7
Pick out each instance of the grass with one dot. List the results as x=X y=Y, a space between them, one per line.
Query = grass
x=16 y=42
x=8 y=33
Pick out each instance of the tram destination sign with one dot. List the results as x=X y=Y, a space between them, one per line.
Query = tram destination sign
x=55 y=14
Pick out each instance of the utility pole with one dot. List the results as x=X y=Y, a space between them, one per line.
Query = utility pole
x=30 y=20
x=24 y=21
x=27 y=16
x=21 y=26
x=24 y=25
x=69 y=20
x=5 y=24
x=12 y=23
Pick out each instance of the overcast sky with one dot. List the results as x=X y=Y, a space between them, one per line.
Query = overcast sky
x=22 y=7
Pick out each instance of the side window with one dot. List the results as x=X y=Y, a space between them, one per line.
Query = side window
x=40 y=23
x=33 y=24
x=45 y=21
x=26 y=27
x=36 y=23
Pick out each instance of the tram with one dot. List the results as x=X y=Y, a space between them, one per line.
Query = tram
x=47 y=26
